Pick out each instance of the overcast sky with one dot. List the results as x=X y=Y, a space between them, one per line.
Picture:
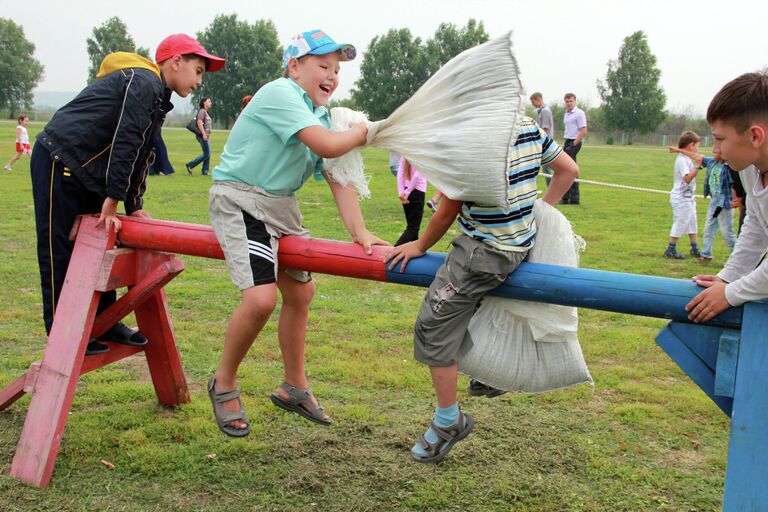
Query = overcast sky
x=560 y=46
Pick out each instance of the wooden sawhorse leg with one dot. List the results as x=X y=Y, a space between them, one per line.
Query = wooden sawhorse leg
x=94 y=268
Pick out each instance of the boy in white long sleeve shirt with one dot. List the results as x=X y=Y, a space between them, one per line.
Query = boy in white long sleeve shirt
x=738 y=115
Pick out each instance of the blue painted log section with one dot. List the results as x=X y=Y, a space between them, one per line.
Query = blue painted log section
x=633 y=294
x=746 y=480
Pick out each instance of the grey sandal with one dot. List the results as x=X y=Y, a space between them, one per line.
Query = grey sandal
x=223 y=416
x=446 y=438
x=300 y=402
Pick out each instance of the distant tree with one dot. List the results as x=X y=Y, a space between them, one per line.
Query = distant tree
x=110 y=36
x=397 y=64
x=633 y=99
x=345 y=102
x=254 y=57
x=19 y=70
x=393 y=68
x=449 y=41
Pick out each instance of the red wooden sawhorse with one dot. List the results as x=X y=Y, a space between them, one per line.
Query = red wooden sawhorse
x=96 y=266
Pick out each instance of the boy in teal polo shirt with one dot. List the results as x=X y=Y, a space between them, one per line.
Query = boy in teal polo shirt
x=277 y=143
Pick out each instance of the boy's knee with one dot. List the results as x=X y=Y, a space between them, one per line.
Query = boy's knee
x=297 y=293
x=259 y=303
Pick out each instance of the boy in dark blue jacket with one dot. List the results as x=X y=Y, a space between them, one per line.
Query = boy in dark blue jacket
x=95 y=152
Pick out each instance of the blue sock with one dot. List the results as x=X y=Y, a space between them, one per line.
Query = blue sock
x=444 y=417
x=694 y=246
x=672 y=247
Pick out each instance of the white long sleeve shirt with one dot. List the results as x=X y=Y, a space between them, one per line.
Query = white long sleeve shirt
x=748 y=281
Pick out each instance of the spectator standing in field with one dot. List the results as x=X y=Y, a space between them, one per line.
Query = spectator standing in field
x=411 y=189
x=204 y=139
x=161 y=166
x=683 y=197
x=575 y=122
x=543 y=114
x=546 y=122
x=22 y=142
x=394 y=162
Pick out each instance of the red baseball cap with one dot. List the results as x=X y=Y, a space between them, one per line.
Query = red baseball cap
x=182 y=44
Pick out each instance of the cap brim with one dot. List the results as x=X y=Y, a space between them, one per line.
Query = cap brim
x=335 y=47
x=214 y=63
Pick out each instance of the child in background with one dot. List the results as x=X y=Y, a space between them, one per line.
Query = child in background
x=22 y=142
x=434 y=203
x=718 y=186
x=411 y=186
x=278 y=141
x=683 y=198
x=493 y=243
x=738 y=116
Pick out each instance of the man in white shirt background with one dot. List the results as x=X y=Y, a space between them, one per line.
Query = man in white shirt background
x=575 y=122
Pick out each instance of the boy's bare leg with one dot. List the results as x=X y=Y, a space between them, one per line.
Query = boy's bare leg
x=292 y=329
x=445 y=379
x=246 y=322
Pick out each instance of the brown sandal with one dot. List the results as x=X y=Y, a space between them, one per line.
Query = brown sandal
x=300 y=401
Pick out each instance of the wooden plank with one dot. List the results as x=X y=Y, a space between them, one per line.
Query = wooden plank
x=60 y=368
x=727 y=363
x=163 y=356
x=692 y=365
x=118 y=270
x=747 y=471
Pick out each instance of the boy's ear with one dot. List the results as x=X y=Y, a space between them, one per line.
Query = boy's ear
x=758 y=134
x=293 y=67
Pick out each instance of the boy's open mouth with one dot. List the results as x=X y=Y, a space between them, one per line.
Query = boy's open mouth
x=325 y=89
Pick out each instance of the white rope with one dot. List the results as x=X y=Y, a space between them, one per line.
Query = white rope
x=627 y=187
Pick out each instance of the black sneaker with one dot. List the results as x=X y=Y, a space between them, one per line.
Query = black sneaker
x=94 y=348
x=695 y=253
x=121 y=333
x=189 y=169
x=477 y=388
x=673 y=254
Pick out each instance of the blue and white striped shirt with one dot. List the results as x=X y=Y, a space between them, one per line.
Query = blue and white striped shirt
x=513 y=228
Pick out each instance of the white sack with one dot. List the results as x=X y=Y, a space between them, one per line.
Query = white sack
x=348 y=169
x=458 y=127
x=529 y=346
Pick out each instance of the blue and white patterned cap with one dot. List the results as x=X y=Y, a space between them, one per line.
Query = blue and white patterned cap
x=316 y=42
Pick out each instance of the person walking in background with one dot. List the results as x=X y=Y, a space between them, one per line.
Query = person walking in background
x=161 y=166
x=22 y=142
x=575 y=122
x=204 y=139
x=394 y=161
x=434 y=203
x=411 y=188
x=543 y=114
x=546 y=122
x=683 y=197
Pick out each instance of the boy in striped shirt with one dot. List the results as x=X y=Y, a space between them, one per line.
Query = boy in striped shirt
x=494 y=241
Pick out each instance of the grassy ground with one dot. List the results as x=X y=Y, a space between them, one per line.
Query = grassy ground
x=645 y=438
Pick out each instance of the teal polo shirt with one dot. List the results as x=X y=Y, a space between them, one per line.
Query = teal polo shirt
x=262 y=148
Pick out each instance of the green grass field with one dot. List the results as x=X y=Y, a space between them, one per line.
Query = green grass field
x=644 y=439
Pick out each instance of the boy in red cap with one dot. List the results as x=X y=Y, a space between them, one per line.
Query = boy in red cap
x=95 y=152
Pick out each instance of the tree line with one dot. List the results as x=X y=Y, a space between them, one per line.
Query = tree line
x=394 y=66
